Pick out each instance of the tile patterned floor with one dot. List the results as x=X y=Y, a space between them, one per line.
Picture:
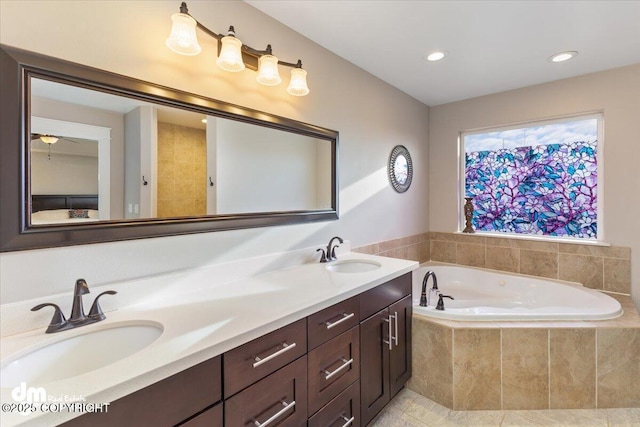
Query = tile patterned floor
x=409 y=409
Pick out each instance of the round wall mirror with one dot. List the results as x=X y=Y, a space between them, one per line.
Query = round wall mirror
x=400 y=169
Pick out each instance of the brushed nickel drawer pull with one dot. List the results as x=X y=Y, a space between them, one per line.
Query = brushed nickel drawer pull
x=395 y=316
x=346 y=363
x=285 y=347
x=390 y=342
x=277 y=415
x=349 y=421
x=345 y=317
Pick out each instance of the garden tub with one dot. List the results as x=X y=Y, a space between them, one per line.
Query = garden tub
x=486 y=295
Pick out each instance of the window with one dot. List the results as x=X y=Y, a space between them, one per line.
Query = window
x=538 y=179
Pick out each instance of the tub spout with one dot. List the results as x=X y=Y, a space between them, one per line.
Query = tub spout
x=423 y=296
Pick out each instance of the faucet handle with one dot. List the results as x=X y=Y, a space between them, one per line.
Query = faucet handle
x=57 y=321
x=96 y=311
x=440 y=305
x=323 y=258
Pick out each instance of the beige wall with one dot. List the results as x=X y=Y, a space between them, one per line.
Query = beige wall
x=128 y=38
x=616 y=93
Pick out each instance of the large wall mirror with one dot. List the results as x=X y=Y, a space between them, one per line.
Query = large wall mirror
x=90 y=156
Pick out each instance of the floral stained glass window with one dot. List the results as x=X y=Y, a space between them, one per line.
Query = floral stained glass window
x=536 y=180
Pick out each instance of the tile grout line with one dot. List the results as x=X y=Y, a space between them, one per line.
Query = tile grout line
x=595 y=332
x=549 y=367
x=501 y=376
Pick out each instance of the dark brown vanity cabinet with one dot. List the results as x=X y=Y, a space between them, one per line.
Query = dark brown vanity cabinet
x=385 y=344
x=197 y=390
x=335 y=368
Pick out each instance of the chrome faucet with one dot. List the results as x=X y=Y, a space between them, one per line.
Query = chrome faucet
x=424 y=301
x=78 y=318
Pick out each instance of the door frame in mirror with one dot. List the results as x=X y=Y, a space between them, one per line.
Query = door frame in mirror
x=17 y=66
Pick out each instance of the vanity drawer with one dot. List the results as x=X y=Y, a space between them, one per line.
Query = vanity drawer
x=165 y=403
x=332 y=367
x=279 y=399
x=374 y=300
x=212 y=417
x=332 y=321
x=256 y=359
x=343 y=411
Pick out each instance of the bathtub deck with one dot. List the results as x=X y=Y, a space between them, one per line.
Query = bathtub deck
x=629 y=319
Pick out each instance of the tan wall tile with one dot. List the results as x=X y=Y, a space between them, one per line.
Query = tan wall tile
x=445 y=237
x=443 y=251
x=470 y=238
x=503 y=258
x=572 y=362
x=432 y=367
x=502 y=242
x=542 y=264
x=584 y=269
x=605 y=251
x=401 y=253
x=617 y=275
x=476 y=369
x=425 y=251
x=618 y=368
x=369 y=249
x=413 y=252
x=525 y=376
x=535 y=245
x=472 y=255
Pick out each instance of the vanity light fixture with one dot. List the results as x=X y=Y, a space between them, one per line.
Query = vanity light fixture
x=563 y=56
x=233 y=55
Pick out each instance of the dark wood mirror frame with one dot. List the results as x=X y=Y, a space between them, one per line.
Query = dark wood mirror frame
x=18 y=66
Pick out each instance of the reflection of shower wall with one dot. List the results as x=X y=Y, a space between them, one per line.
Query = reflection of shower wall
x=182 y=169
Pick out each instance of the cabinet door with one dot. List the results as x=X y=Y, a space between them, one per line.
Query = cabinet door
x=400 y=356
x=374 y=365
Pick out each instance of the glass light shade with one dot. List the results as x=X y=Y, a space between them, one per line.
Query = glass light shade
x=298 y=84
x=47 y=139
x=230 y=57
x=268 y=73
x=183 y=38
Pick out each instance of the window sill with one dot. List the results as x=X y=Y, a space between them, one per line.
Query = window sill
x=537 y=238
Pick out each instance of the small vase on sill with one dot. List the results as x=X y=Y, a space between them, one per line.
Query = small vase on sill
x=468 y=216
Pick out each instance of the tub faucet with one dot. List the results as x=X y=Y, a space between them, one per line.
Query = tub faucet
x=78 y=318
x=424 y=301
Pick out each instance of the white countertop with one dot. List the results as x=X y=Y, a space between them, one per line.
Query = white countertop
x=201 y=319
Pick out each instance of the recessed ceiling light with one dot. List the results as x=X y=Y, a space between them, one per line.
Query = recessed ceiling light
x=436 y=56
x=204 y=120
x=563 y=56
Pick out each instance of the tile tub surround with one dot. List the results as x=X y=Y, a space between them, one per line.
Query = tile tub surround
x=606 y=268
x=528 y=365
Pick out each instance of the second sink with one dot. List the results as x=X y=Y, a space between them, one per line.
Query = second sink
x=353 y=266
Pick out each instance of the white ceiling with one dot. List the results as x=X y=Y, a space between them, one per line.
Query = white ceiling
x=493 y=45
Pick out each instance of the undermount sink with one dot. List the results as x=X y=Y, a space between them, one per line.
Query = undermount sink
x=77 y=355
x=353 y=266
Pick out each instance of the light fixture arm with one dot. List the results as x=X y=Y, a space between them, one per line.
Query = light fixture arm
x=250 y=55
